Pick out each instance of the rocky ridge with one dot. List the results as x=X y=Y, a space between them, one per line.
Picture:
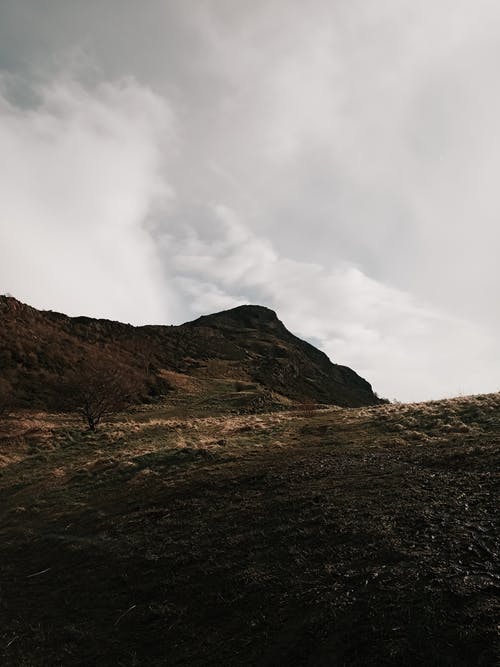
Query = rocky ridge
x=248 y=343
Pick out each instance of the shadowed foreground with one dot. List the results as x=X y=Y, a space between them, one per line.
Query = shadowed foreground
x=341 y=537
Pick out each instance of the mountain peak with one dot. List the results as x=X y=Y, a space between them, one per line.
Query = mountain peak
x=247 y=316
x=249 y=342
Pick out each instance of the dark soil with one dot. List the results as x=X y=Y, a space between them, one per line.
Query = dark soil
x=332 y=543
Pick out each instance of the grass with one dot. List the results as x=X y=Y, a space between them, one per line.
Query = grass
x=189 y=534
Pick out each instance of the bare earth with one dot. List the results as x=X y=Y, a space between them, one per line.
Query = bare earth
x=363 y=536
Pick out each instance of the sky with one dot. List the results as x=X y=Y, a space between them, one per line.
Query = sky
x=336 y=161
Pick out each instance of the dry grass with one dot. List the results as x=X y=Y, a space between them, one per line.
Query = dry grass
x=182 y=537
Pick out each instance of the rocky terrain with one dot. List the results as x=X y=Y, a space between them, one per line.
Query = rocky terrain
x=247 y=344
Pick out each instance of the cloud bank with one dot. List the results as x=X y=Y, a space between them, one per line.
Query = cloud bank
x=335 y=161
x=382 y=332
x=82 y=175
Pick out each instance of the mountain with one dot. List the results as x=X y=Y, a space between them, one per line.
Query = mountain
x=246 y=344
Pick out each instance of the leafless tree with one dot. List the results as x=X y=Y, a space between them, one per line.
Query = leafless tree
x=143 y=352
x=99 y=389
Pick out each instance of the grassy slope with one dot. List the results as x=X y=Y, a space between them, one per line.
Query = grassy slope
x=344 y=537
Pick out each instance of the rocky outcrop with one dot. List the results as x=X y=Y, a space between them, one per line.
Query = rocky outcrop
x=250 y=343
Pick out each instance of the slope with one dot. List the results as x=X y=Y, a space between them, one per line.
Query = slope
x=365 y=536
x=248 y=343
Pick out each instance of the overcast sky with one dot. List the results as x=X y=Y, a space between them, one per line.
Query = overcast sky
x=335 y=160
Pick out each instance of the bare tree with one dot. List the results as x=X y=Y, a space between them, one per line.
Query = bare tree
x=97 y=390
x=144 y=354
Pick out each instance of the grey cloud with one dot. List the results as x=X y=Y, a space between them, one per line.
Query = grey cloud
x=355 y=144
x=381 y=331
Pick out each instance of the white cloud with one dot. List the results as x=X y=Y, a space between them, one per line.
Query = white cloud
x=407 y=350
x=367 y=131
x=360 y=142
x=82 y=174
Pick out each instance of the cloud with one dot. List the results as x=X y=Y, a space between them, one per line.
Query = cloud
x=354 y=146
x=363 y=133
x=83 y=174
x=407 y=349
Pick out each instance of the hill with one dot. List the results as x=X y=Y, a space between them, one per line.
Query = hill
x=247 y=344
x=223 y=521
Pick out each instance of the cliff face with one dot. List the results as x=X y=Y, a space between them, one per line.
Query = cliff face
x=38 y=348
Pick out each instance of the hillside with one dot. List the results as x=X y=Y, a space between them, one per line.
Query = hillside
x=176 y=535
x=246 y=344
x=230 y=517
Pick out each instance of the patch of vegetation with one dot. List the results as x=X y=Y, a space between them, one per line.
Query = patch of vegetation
x=178 y=535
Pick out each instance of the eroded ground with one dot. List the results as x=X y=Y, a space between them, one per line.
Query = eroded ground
x=334 y=537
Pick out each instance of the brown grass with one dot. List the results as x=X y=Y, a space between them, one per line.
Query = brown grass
x=348 y=536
